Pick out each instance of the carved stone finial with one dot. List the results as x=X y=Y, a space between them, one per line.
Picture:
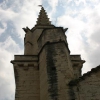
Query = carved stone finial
x=65 y=29
x=43 y=17
x=24 y=29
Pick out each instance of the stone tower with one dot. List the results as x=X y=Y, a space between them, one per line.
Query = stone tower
x=46 y=68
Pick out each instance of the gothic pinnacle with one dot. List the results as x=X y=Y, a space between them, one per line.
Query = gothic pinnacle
x=43 y=17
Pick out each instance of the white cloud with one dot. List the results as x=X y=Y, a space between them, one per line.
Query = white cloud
x=7 y=14
x=7 y=84
x=10 y=45
x=53 y=4
x=3 y=28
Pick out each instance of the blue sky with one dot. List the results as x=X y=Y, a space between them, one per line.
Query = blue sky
x=82 y=17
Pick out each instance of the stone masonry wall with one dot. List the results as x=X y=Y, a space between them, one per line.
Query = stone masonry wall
x=44 y=95
x=77 y=64
x=30 y=41
x=88 y=88
x=52 y=72
x=55 y=72
x=35 y=35
x=63 y=69
x=27 y=82
x=26 y=77
x=51 y=35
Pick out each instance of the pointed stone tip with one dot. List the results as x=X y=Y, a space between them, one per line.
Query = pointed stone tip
x=41 y=7
x=24 y=29
x=43 y=17
x=65 y=29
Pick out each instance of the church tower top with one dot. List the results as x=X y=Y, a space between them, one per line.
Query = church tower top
x=43 y=17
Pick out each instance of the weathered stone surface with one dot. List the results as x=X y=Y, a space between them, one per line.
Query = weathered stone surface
x=47 y=71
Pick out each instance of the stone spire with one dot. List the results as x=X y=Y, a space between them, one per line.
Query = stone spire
x=43 y=18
